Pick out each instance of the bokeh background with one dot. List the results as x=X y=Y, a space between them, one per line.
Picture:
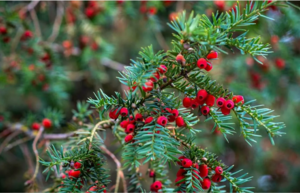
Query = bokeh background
x=54 y=54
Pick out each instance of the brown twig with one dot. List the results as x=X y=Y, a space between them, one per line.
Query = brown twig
x=7 y=140
x=18 y=142
x=112 y=64
x=179 y=6
x=36 y=23
x=161 y=40
x=120 y=172
x=36 y=153
x=27 y=155
x=57 y=22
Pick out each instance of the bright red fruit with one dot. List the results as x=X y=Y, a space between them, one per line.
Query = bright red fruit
x=35 y=126
x=74 y=174
x=180 y=158
x=219 y=170
x=148 y=120
x=212 y=55
x=128 y=138
x=162 y=120
x=152 y=10
x=151 y=174
x=208 y=66
x=47 y=123
x=216 y=178
x=124 y=112
x=124 y=124
x=139 y=117
x=280 y=63
x=201 y=95
x=180 y=121
x=3 y=30
x=229 y=104
x=187 y=102
x=162 y=69
x=203 y=170
x=157 y=185
x=155 y=77
x=205 y=184
x=210 y=100
x=237 y=99
x=175 y=113
x=26 y=35
x=220 y=102
x=205 y=110
x=77 y=165
x=201 y=63
x=130 y=128
x=225 y=111
x=114 y=114
x=181 y=172
x=131 y=119
x=180 y=59
x=90 y=12
x=148 y=86
x=194 y=104
x=186 y=163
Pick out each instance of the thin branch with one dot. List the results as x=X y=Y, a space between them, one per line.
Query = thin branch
x=31 y=5
x=36 y=23
x=57 y=22
x=120 y=172
x=112 y=64
x=18 y=142
x=36 y=155
x=161 y=40
x=7 y=140
x=27 y=156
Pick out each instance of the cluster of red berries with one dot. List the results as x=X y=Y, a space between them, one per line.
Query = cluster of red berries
x=162 y=69
x=3 y=32
x=144 y=9
x=203 y=172
x=92 y=9
x=155 y=186
x=26 y=35
x=86 y=40
x=47 y=123
x=204 y=97
x=202 y=63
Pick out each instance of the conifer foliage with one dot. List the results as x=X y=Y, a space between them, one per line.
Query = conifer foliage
x=168 y=94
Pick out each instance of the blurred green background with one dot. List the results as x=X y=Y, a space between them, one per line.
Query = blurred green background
x=53 y=54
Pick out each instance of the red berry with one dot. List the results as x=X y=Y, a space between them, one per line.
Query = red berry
x=180 y=158
x=180 y=59
x=195 y=165
x=124 y=124
x=35 y=126
x=280 y=63
x=205 y=184
x=180 y=122
x=77 y=165
x=208 y=67
x=205 y=110
x=151 y=174
x=201 y=63
x=148 y=86
x=220 y=102
x=156 y=77
x=225 y=111
x=74 y=174
x=203 y=170
x=186 y=163
x=90 y=12
x=157 y=185
x=171 y=118
x=124 y=112
x=139 y=117
x=114 y=114
x=133 y=86
x=187 y=102
x=92 y=189
x=47 y=123
x=201 y=95
x=219 y=170
x=131 y=119
x=152 y=10
x=212 y=55
x=229 y=104
x=128 y=138
x=3 y=30
x=130 y=128
x=216 y=178
x=194 y=104
x=162 y=120
x=181 y=172
x=175 y=113
x=26 y=35
x=178 y=179
x=162 y=69
x=148 y=120
x=238 y=99
x=210 y=100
